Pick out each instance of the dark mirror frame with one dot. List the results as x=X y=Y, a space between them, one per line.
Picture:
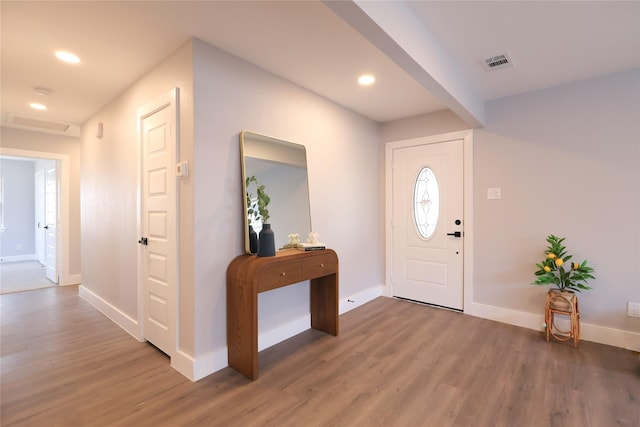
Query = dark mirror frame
x=280 y=166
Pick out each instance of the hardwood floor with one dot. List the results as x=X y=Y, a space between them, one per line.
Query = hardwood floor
x=394 y=364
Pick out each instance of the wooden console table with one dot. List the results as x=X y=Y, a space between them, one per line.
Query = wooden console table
x=247 y=275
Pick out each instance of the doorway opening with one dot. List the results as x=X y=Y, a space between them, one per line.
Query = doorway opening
x=29 y=215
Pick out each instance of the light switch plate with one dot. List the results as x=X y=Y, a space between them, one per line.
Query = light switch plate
x=633 y=309
x=494 y=193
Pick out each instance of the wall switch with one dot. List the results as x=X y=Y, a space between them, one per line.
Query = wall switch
x=633 y=309
x=493 y=193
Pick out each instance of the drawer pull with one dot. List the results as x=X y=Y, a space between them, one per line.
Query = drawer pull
x=284 y=273
x=321 y=265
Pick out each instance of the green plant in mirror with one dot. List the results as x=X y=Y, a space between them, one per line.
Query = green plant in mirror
x=257 y=208
x=555 y=270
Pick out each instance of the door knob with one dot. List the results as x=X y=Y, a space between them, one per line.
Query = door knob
x=455 y=234
x=143 y=241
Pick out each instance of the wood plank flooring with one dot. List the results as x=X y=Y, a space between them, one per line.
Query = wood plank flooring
x=394 y=364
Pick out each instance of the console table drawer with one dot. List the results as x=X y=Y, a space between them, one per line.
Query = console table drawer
x=279 y=274
x=319 y=265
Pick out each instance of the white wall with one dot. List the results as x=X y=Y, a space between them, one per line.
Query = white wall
x=527 y=138
x=110 y=195
x=437 y=123
x=18 y=237
x=344 y=159
x=221 y=95
x=567 y=160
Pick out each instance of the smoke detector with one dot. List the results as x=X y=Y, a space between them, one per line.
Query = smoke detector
x=498 y=62
x=43 y=91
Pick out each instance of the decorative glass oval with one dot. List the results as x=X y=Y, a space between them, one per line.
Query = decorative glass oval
x=426 y=202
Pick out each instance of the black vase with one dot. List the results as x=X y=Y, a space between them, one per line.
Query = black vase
x=253 y=240
x=266 y=242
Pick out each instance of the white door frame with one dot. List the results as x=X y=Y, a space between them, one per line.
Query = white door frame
x=170 y=98
x=52 y=176
x=467 y=137
x=63 y=208
x=40 y=216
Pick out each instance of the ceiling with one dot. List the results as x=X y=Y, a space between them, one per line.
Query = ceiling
x=312 y=45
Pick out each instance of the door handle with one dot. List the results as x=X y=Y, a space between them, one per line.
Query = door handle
x=46 y=227
x=455 y=234
x=143 y=241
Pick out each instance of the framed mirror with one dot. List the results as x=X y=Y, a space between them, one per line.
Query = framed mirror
x=281 y=167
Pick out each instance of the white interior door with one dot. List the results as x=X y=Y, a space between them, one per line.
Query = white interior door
x=51 y=220
x=158 y=223
x=428 y=224
x=40 y=216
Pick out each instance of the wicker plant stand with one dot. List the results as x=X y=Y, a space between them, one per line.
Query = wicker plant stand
x=565 y=304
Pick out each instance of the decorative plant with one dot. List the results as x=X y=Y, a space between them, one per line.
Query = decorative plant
x=552 y=270
x=257 y=209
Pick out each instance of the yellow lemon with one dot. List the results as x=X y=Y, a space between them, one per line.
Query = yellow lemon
x=559 y=262
x=551 y=256
x=547 y=269
x=576 y=266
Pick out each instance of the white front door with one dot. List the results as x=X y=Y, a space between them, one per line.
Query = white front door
x=51 y=220
x=40 y=216
x=427 y=261
x=158 y=223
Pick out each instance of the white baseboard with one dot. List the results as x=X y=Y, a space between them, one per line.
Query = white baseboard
x=615 y=337
x=588 y=332
x=18 y=258
x=506 y=315
x=353 y=301
x=285 y=331
x=71 y=279
x=123 y=320
x=200 y=367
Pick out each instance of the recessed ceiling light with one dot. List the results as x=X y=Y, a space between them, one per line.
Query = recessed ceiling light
x=43 y=91
x=366 y=79
x=37 y=106
x=67 y=57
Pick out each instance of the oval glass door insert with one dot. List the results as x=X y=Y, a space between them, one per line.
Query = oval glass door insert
x=426 y=202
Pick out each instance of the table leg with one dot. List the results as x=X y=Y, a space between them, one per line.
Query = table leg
x=324 y=304
x=242 y=330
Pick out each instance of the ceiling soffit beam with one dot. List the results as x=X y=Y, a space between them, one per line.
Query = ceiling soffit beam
x=395 y=29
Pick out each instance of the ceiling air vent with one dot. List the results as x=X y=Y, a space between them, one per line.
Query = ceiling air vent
x=498 y=62
x=38 y=125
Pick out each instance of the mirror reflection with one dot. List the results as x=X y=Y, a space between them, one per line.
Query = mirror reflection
x=281 y=167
